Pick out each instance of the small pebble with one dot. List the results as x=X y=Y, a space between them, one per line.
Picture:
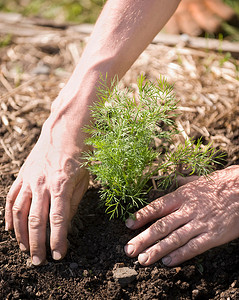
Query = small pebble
x=124 y=275
x=29 y=289
x=1 y=211
x=234 y=283
x=73 y=265
x=29 y=263
x=195 y=293
x=85 y=273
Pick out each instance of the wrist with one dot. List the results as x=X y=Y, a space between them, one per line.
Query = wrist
x=81 y=89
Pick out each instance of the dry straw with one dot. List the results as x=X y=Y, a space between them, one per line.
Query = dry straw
x=34 y=69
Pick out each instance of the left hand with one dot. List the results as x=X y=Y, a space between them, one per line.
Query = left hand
x=195 y=16
x=196 y=217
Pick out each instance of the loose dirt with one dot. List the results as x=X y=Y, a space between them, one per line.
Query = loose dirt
x=32 y=73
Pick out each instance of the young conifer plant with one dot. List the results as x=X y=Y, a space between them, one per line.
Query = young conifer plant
x=124 y=157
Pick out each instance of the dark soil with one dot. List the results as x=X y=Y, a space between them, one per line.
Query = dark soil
x=96 y=250
x=210 y=104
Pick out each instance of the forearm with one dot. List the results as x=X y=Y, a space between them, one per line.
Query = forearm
x=52 y=181
x=122 y=32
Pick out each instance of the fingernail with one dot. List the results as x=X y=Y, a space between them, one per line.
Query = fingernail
x=22 y=247
x=143 y=257
x=166 y=260
x=56 y=255
x=129 y=249
x=36 y=260
x=129 y=223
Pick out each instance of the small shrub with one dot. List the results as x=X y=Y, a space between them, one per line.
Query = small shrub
x=123 y=133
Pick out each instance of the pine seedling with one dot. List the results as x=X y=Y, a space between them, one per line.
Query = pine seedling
x=123 y=130
x=189 y=158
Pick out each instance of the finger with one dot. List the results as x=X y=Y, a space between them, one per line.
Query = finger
x=11 y=197
x=155 y=210
x=20 y=212
x=59 y=222
x=205 y=19
x=173 y=241
x=172 y=26
x=79 y=192
x=155 y=232
x=192 y=248
x=187 y=24
x=37 y=222
x=184 y=180
x=218 y=7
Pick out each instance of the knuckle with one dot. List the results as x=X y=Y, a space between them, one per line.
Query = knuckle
x=194 y=246
x=57 y=219
x=176 y=239
x=184 y=191
x=17 y=212
x=154 y=206
x=34 y=222
x=37 y=248
x=41 y=180
x=58 y=184
x=34 y=246
x=70 y=165
x=160 y=227
x=10 y=198
x=185 y=211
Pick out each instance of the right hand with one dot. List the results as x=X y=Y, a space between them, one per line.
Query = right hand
x=196 y=217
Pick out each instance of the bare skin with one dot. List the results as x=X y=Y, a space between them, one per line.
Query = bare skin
x=196 y=217
x=51 y=182
x=195 y=16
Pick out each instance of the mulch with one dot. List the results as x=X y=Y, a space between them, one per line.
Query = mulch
x=32 y=73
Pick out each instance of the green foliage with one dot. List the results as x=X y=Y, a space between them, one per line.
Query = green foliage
x=80 y=11
x=234 y=4
x=231 y=28
x=123 y=132
x=190 y=158
x=5 y=40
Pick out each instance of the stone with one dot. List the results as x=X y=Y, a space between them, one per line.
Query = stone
x=124 y=275
x=29 y=263
x=29 y=289
x=73 y=265
x=195 y=293
x=86 y=273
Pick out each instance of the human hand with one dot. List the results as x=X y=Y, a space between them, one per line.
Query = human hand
x=51 y=182
x=194 y=16
x=50 y=186
x=196 y=217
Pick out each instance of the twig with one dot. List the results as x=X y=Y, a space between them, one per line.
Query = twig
x=17 y=89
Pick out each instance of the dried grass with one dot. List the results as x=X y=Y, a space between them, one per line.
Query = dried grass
x=33 y=71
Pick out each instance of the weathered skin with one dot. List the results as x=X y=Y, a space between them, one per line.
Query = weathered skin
x=196 y=217
x=51 y=183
